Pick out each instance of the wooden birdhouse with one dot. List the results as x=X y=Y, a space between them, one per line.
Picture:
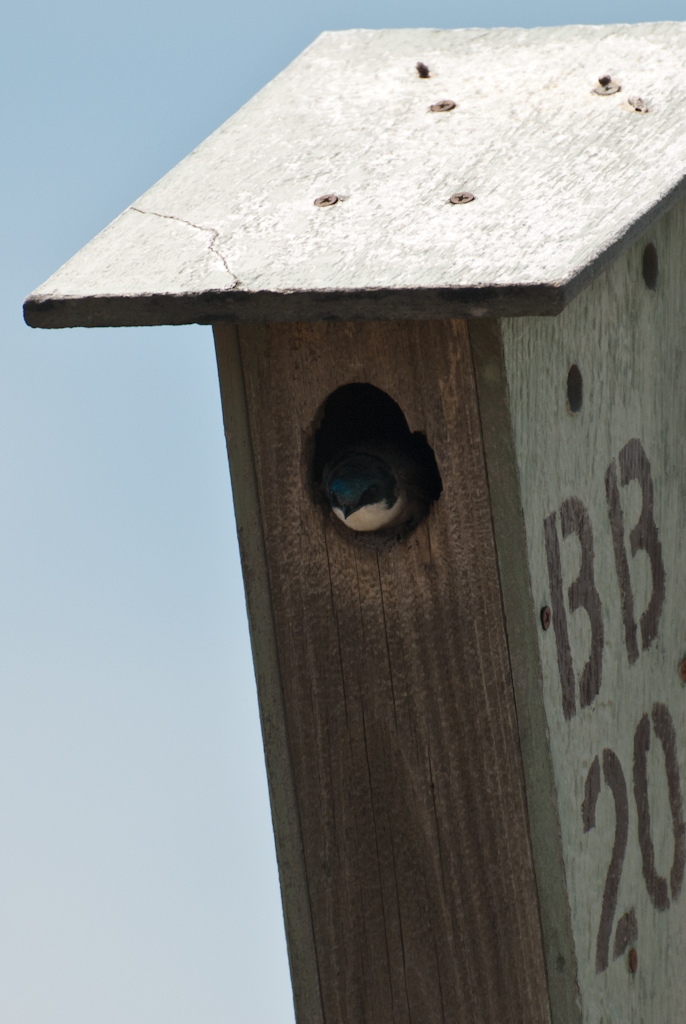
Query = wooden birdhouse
x=446 y=273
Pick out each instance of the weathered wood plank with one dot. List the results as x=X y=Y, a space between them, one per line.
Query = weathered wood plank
x=520 y=619
x=564 y=179
x=284 y=804
x=399 y=706
x=592 y=477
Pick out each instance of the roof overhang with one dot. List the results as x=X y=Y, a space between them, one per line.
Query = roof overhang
x=563 y=178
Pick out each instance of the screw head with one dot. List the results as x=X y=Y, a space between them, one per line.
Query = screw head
x=328 y=200
x=639 y=105
x=460 y=198
x=546 y=617
x=606 y=87
x=633 y=960
x=682 y=671
x=422 y=69
x=442 y=106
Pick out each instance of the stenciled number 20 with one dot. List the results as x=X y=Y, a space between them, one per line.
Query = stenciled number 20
x=659 y=888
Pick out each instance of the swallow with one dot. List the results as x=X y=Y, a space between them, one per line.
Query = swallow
x=377 y=485
x=375 y=475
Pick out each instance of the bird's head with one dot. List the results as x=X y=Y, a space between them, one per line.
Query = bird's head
x=363 y=492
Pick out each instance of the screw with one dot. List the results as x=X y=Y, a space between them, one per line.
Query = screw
x=682 y=671
x=460 y=198
x=422 y=69
x=442 y=106
x=639 y=105
x=328 y=200
x=546 y=617
x=633 y=960
x=606 y=87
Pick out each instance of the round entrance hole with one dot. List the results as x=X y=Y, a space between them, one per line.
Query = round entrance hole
x=375 y=477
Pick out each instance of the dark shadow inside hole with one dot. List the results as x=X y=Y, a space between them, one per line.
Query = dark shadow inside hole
x=575 y=389
x=650 y=266
x=363 y=435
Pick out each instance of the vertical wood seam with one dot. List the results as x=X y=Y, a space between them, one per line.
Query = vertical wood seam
x=488 y=470
x=493 y=723
x=489 y=474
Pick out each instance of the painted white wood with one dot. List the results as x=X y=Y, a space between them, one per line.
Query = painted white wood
x=628 y=342
x=563 y=178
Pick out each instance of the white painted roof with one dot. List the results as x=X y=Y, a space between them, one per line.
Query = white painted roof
x=563 y=178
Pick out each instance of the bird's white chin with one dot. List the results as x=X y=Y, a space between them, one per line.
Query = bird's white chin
x=371 y=517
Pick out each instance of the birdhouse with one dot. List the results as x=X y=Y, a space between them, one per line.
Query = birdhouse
x=446 y=274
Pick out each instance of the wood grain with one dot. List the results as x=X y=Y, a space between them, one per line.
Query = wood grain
x=619 y=753
x=398 y=699
x=564 y=180
x=523 y=625
x=282 y=795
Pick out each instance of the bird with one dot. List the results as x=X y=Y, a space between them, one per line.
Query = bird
x=377 y=485
x=376 y=477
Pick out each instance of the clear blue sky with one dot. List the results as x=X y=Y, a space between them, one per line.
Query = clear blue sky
x=137 y=873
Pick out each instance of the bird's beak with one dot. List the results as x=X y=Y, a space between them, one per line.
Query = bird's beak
x=347 y=510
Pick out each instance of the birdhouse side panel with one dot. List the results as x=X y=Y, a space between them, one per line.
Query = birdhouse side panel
x=598 y=401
